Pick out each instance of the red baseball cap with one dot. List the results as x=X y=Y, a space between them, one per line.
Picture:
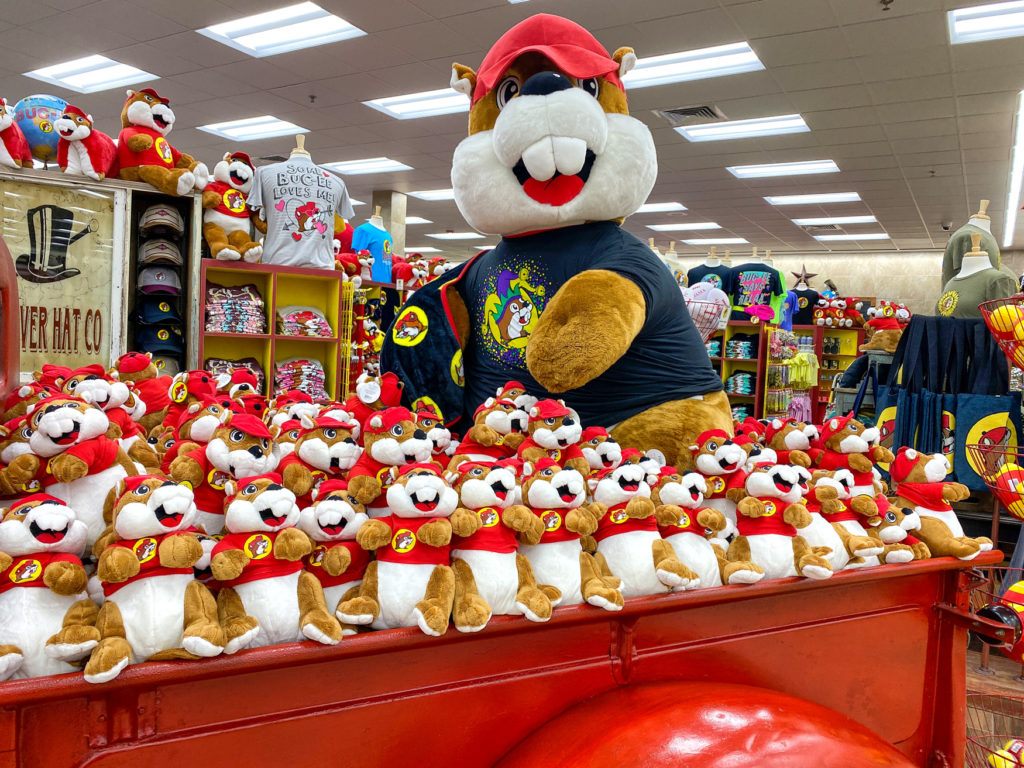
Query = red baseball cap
x=23 y=392
x=568 y=45
x=37 y=497
x=434 y=469
x=387 y=418
x=151 y=92
x=903 y=464
x=331 y=486
x=133 y=362
x=545 y=463
x=250 y=425
x=591 y=432
x=833 y=425
x=708 y=434
x=132 y=482
x=325 y=422
x=548 y=409
x=241 y=156
x=70 y=109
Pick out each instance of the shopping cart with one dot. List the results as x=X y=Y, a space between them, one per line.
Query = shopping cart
x=1005 y=319
x=994 y=721
x=708 y=317
x=1002 y=469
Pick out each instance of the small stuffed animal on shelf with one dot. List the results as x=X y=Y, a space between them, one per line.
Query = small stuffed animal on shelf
x=554 y=433
x=137 y=368
x=261 y=558
x=599 y=449
x=558 y=497
x=324 y=449
x=14 y=149
x=790 y=440
x=337 y=561
x=438 y=434
x=497 y=433
x=921 y=485
x=411 y=582
x=628 y=539
x=770 y=516
x=896 y=530
x=153 y=606
x=721 y=461
x=485 y=557
x=81 y=149
x=226 y=218
x=838 y=520
x=884 y=327
x=391 y=440
x=846 y=443
x=143 y=152
x=46 y=619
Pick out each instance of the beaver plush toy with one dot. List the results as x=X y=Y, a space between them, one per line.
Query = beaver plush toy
x=225 y=214
x=568 y=302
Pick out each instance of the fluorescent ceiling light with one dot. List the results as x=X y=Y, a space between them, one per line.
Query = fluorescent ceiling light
x=744 y=129
x=683 y=226
x=826 y=220
x=826 y=197
x=782 y=169
x=91 y=74
x=862 y=236
x=427 y=104
x=456 y=236
x=369 y=165
x=1016 y=175
x=693 y=65
x=425 y=249
x=252 y=128
x=660 y=207
x=417 y=220
x=986 y=22
x=434 y=194
x=716 y=241
x=287 y=29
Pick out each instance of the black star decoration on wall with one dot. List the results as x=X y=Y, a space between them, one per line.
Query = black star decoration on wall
x=803 y=276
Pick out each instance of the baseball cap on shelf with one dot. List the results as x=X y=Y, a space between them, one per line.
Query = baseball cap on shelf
x=160 y=340
x=161 y=216
x=160 y=251
x=156 y=311
x=160 y=279
x=167 y=366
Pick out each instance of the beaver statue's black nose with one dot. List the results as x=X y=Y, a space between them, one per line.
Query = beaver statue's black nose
x=544 y=83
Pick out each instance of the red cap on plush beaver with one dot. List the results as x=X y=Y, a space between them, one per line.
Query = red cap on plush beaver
x=548 y=409
x=902 y=465
x=434 y=469
x=35 y=497
x=571 y=48
x=250 y=425
x=591 y=432
x=132 y=362
x=388 y=418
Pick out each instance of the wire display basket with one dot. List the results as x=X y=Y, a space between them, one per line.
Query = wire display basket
x=1005 y=320
x=995 y=730
x=708 y=317
x=1002 y=469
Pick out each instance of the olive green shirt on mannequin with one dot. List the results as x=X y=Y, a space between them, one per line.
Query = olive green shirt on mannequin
x=960 y=243
x=962 y=295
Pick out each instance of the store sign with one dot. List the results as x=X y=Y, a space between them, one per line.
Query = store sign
x=62 y=243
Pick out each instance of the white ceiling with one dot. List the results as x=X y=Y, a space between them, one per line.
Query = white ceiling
x=921 y=129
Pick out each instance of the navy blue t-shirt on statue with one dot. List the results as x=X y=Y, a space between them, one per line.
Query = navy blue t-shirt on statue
x=507 y=289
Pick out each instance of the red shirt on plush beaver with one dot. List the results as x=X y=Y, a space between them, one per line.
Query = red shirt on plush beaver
x=567 y=302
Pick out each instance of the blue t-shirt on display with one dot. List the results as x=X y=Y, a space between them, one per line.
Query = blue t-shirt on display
x=789 y=306
x=367 y=237
x=507 y=289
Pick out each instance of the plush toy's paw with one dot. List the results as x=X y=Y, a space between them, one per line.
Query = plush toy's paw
x=554 y=594
x=864 y=546
x=364 y=488
x=750 y=507
x=297 y=479
x=199 y=645
x=813 y=566
x=337 y=560
x=470 y=613
x=180 y=551
x=882 y=455
x=859 y=463
x=921 y=551
x=436 y=533
x=358 y=610
x=799 y=458
x=797 y=516
x=292 y=544
x=742 y=572
x=228 y=564
x=227 y=254
x=955 y=492
x=107 y=661
x=712 y=519
x=239 y=632
x=321 y=627
x=464 y=522
x=118 y=564
x=581 y=521
x=65 y=578
x=673 y=573
x=253 y=254
x=185 y=469
x=485 y=435
x=141 y=452
x=373 y=534
x=11 y=659
x=431 y=618
x=534 y=604
x=639 y=508
x=23 y=468
x=598 y=594
x=668 y=514
x=984 y=543
x=67 y=468
x=520 y=519
x=898 y=553
x=864 y=506
x=186 y=182
x=72 y=643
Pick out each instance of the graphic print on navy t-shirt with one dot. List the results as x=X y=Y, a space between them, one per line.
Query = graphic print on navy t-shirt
x=515 y=294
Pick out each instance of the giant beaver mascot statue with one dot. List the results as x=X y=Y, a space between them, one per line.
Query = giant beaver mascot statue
x=568 y=303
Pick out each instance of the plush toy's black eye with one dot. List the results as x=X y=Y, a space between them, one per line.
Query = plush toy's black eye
x=591 y=86
x=170 y=443
x=237 y=435
x=294 y=434
x=549 y=422
x=72 y=385
x=398 y=430
x=214 y=409
x=330 y=434
x=142 y=490
x=250 y=489
x=712 y=446
x=353 y=500
x=508 y=89
x=891 y=517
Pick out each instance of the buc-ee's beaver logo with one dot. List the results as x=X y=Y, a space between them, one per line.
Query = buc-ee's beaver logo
x=29 y=570
x=144 y=549
x=403 y=541
x=258 y=547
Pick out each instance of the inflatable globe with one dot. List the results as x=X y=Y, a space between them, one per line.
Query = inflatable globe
x=35 y=115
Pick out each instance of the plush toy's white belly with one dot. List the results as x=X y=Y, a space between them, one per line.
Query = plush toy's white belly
x=695 y=552
x=153 y=610
x=946 y=516
x=557 y=563
x=399 y=587
x=774 y=553
x=29 y=616
x=274 y=603
x=857 y=529
x=630 y=558
x=5 y=155
x=820 y=533
x=496 y=576
x=86 y=496
x=79 y=161
x=225 y=222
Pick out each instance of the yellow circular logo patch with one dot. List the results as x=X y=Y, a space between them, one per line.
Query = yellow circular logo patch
x=164 y=306
x=489 y=516
x=410 y=328
x=163 y=149
x=26 y=570
x=770 y=508
x=552 y=520
x=179 y=392
x=145 y=549
x=233 y=201
x=403 y=541
x=619 y=516
x=258 y=546
x=427 y=404
x=948 y=303
x=684 y=521
x=162 y=334
x=387 y=247
x=716 y=484
x=458 y=372
x=316 y=558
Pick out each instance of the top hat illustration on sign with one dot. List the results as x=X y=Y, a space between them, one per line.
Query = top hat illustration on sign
x=49 y=233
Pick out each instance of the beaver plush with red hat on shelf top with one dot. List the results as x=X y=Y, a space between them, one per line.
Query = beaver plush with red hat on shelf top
x=568 y=302
x=226 y=217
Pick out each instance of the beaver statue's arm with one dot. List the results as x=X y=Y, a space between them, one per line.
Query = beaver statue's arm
x=588 y=324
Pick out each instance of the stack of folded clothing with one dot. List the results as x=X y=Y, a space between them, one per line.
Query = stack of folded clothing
x=219 y=365
x=234 y=309
x=303 y=373
x=294 y=320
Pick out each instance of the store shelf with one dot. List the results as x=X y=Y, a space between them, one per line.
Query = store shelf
x=321 y=339
x=226 y=335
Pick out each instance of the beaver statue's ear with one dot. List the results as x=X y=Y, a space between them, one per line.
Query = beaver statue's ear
x=626 y=59
x=464 y=79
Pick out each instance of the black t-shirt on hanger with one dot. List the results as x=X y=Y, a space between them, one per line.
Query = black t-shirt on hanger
x=717 y=276
x=807 y=300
